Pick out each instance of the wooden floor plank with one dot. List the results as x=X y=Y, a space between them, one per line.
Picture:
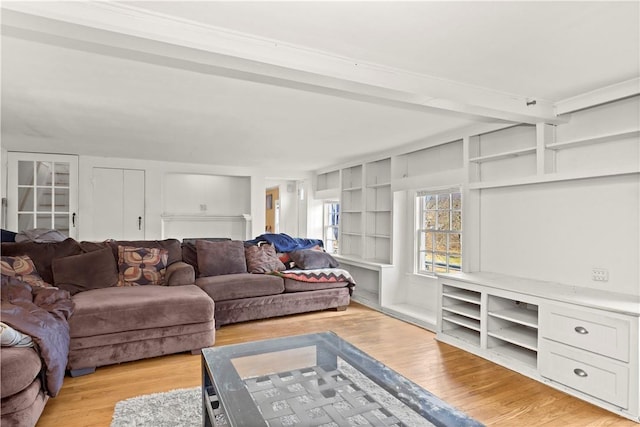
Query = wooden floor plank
x=490 y=393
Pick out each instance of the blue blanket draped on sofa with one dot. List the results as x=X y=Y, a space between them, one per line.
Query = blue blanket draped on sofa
x=284 y=243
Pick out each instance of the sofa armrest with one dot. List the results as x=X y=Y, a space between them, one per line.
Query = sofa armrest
x=180 y=273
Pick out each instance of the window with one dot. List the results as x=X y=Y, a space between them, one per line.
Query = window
x=330 y=222
x=439 y=231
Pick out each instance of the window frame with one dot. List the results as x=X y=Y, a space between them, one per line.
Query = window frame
x=326 y=225
x=421 y=232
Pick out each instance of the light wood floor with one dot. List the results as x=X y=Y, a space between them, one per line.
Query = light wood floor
x=493 y=395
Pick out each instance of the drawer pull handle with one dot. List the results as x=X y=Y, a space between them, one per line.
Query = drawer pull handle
x=579 y=372
x=581 y=330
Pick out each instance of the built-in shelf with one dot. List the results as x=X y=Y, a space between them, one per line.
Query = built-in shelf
x=462 y=295
x=464 y=309
x=521 y=316
x=555 y=177
x=350 y=233
x=462 y=321
x=379 y=236
x=518 y=335
x=517 y=354
x=352 y=189
x=504 y=155
x=380 y=185
x=505 y=325
x=594 y=139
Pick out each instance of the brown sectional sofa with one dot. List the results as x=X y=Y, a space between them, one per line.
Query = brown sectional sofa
x=245 y=296
x=112 y=324
x=118 y=324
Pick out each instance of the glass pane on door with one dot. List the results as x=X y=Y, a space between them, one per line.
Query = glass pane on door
x=61 y=174
x=25 y=173
x=43 y=173
x=44 y=199
x=44 y=221
x=61 y=200
x=25 y=199
x=25 y=221
x=61 y=223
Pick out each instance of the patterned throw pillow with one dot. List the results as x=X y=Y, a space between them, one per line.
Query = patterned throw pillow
x=22 y=268
x=141 y=266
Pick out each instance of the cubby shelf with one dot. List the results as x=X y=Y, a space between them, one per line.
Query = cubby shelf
x=462 y=295
x=518 y=335
x=521 y=316
x=464 y=309
x=462 y=321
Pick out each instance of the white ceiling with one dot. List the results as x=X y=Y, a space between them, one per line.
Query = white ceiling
x=66 y=89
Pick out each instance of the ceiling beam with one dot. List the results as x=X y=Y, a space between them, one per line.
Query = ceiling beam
x=137 y=34
x=600 y=96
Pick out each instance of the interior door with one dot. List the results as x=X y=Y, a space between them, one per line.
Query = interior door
x=272 y=210
x=42 y=192
x=118 y=204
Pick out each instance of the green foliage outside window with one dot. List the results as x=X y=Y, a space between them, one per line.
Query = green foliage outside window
x=440 y=232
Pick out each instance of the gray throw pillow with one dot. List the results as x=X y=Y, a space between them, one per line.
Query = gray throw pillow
x=217 y=258
x=311 y=259
x=262 y=259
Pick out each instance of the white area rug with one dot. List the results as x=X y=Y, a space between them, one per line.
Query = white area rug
x=175 y=408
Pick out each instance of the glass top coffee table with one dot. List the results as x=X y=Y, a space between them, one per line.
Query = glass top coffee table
x=313 y=380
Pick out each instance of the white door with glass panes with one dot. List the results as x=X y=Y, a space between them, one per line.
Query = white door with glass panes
x=42 y=192
x=118 y=204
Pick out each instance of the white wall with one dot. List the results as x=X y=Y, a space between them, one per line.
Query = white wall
x=559 y=232
x=3 y=185
x=250 y=198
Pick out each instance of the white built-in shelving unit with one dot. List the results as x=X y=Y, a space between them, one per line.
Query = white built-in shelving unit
x=581 y=341
x=351 y=212
x=530 y=326
x=377 y=244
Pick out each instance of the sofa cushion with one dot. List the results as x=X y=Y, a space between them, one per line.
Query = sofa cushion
x=292 y=285
x=20 y=366
x=244 y=285
x=171 y=245
x=91 y=270
x=43 y=254
x=190 y=254
x=216 y=258
x=141 y=266
x=24 y=408
x=22 y=268
x=310 y=259
x=119 y=309
x=262 y=259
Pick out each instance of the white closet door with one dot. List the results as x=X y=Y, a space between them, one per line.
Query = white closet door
x=133 y=208
x=42 y=192
x=118 y=204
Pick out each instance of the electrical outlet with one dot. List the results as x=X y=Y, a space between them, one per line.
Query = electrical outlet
x=600 y=274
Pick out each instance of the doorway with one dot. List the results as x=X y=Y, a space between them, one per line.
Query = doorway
x=272 y=210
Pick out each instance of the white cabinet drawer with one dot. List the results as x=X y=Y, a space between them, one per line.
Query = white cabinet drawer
x=588 y=373
x=587 y=329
